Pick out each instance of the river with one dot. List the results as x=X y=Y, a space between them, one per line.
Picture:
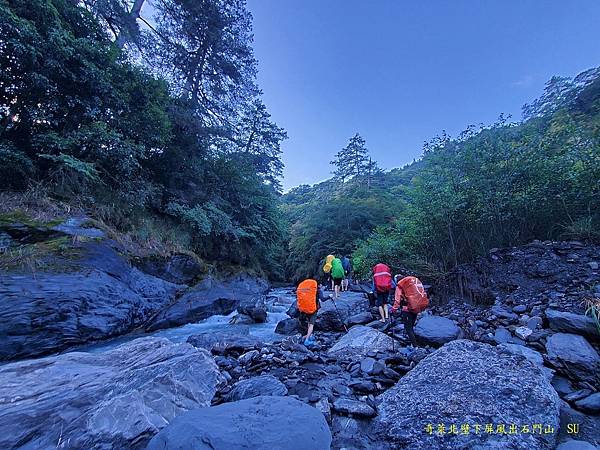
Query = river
x=278 y=301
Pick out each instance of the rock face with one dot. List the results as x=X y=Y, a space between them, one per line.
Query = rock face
x=179 y=268
x=473 y=383
x=100 y=296
x=116 y=399
x=574 y=356
x=237 y=339
x=210 y=297
x=260 y=422
x=436 y=330
x=266 y=385
x=566 y=322
x=361 y=340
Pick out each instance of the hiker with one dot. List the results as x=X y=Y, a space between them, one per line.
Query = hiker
x=337 y=273
x=347 y=264
x=411 y=296
x=308 y=295
x=327 y=269
x=382 y=285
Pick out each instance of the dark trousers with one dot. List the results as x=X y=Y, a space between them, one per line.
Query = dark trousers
x=408 y=319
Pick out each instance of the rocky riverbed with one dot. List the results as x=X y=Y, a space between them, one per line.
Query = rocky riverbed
x=186 y=359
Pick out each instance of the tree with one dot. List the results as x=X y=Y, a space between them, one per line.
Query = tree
x=353 y=160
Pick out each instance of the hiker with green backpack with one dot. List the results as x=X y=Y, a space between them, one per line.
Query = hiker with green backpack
x=337 y=273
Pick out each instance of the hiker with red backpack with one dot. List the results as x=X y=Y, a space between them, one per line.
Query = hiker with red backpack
x=382 y=285
x=308 y=296
x=411 y=296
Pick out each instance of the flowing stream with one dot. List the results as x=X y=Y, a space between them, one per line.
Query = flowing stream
x=278 y=301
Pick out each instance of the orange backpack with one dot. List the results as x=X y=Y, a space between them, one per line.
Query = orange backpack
x=414 y=292
x=307 y=296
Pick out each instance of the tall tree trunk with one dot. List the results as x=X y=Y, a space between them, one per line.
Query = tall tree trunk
x=133 y=15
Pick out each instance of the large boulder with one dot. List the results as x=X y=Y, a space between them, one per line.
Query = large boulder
x=93 y=294
x=179 y=268
x=116 y=399
x=210 y=297
x=256 y=309
x=436 y=330
x=266 y=385
x=574 y=356
x=288 y=327
x=259 y=422
x=567 y=322
x=360 y=340
x=232 y=339
x=333 y=316
x=472 y=383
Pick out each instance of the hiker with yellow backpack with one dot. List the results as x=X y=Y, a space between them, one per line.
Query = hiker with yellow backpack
x=410 y=295
x=308 y=295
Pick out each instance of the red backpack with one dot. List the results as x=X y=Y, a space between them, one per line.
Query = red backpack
x=382 y=278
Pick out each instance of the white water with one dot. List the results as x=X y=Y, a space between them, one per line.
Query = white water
x=278 y=302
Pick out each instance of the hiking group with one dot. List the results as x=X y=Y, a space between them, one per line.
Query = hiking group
x=409 y=295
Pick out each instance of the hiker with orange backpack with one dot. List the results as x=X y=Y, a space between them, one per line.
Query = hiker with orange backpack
x=411 y=296
x=308 y=296
x=382 y=285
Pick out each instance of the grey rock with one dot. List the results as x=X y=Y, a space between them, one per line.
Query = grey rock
x=351 y=433
x=330 y=318
x=593 y=265
x=236 y=339
x=179 y=268
x=360 y=318
x=562 y=385
x=573 y=444
x=115 y=399
x=259 y=422
x=577 y=395
x=288 y=327
x=531 y=355
x=574 y=423
x=472 y=382
x=266 y=385
x=574 y=356
x=208 y=298
x=241 y=319
x=248 y=357
x=590 y=404
x=360 y=340
x=566 y=322
x=502 y=336
x=534 y=323
x=101 y=297
x=79 y=226
x=325 y=408
x=255 y=309
x=523 y=332
x=520 y=309
x=354 y=407
x=499 y=311
x=436 y=330
x=371 y=366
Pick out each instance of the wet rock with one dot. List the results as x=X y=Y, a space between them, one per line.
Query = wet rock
x=488 y=386
x=360 y=318
x=101 y=296
x=236 y=339
x=436 y=330
x=353 y=407
x=562 y=385
x=115 y=399
x=260 y=422
x=255 y=309
x=371 y=366
x=208 y=298
x=566 y=322
x=360 y=340
x=590 y=404
x=573 y=444
x=266 y=385
x=573 y=355
x=288 y=327
x=241 y=319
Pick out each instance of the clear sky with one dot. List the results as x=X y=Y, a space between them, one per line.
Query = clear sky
x=399 y=72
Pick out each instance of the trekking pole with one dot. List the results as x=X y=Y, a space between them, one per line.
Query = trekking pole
x=339 y=316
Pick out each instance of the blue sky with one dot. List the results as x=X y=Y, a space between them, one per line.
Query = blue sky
x=399 y=72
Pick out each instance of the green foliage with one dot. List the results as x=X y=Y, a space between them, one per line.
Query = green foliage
x=171 y=130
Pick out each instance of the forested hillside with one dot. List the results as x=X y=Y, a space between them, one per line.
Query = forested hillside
x=491 y=186
x=148 y=118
